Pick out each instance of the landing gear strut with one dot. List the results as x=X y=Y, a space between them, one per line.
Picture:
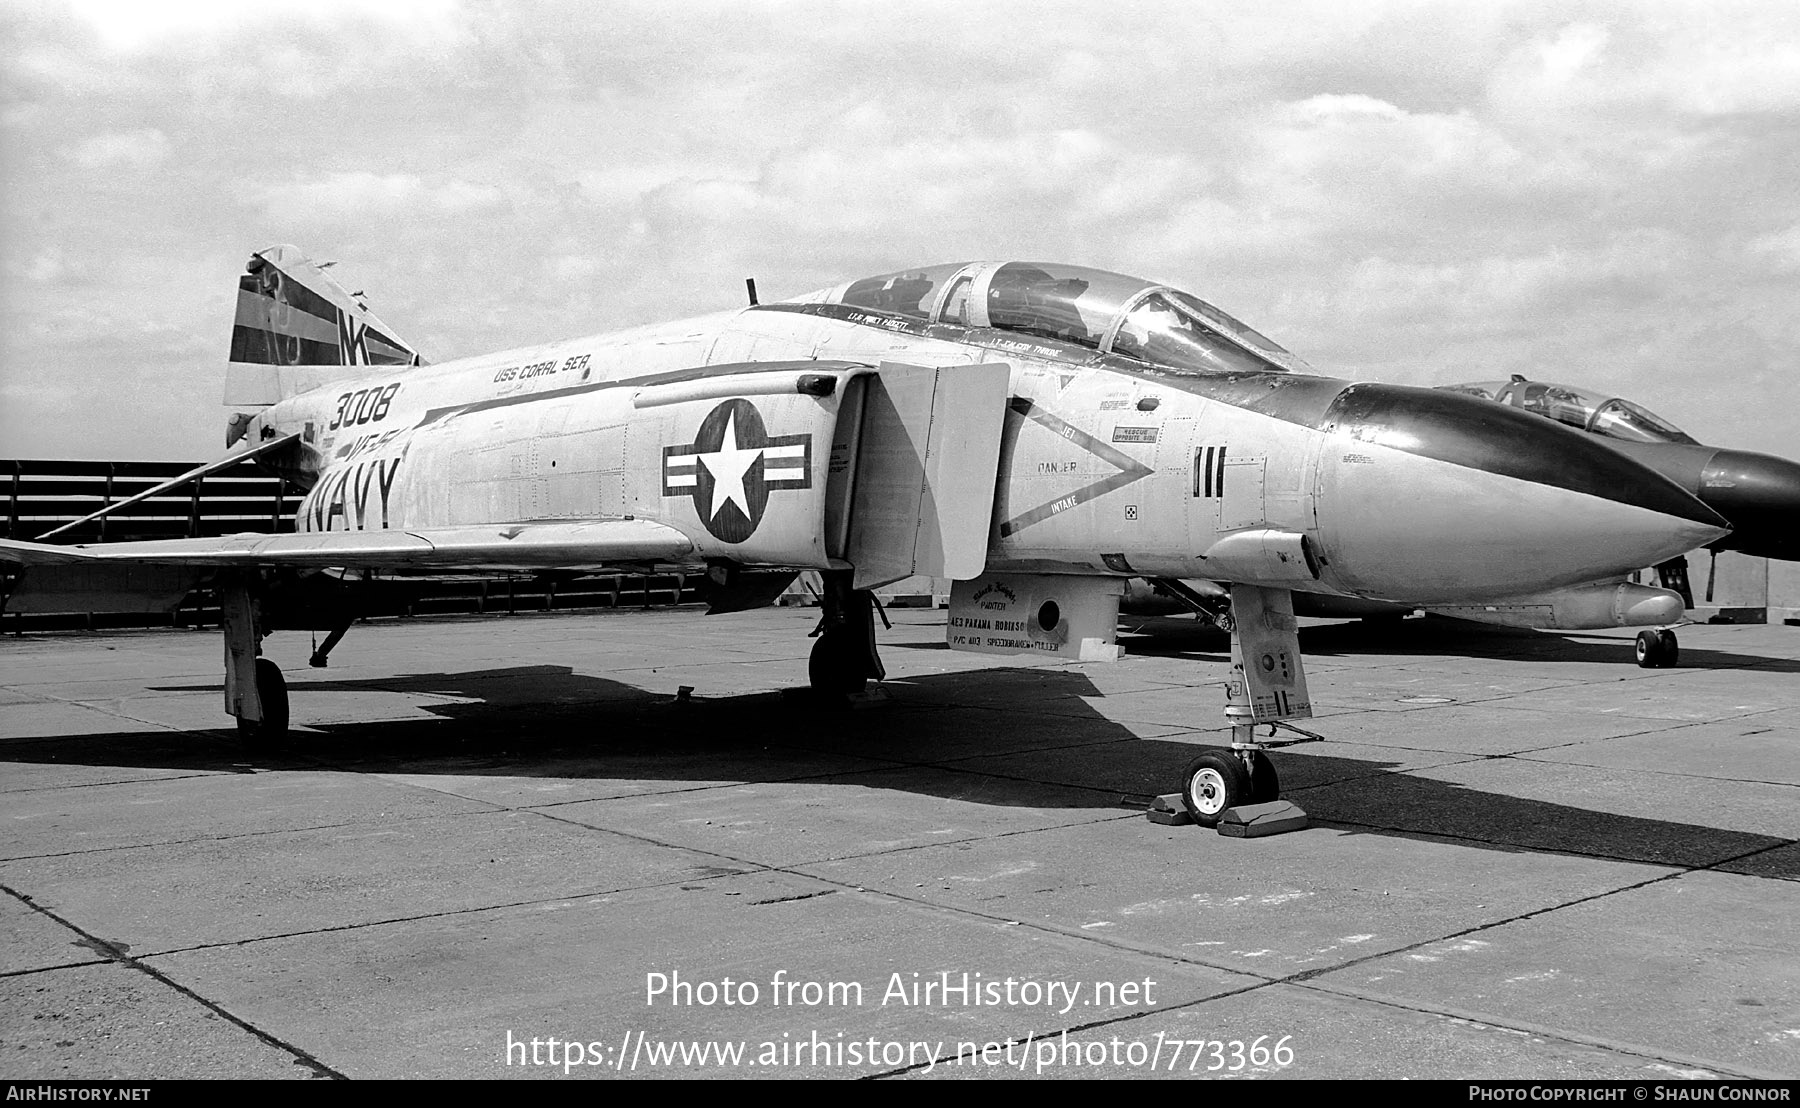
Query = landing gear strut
x=1267 y=686
x=844 y=657
x=1657 y=649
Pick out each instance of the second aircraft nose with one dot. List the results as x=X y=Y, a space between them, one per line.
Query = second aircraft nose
x=1760 y=495
x=1430 y=495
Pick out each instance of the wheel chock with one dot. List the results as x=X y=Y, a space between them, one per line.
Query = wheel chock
x=1169 y=811
x=1253 y=821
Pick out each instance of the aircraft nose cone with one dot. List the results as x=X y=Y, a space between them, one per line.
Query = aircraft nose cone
x=1425 y=494
x=1760 y=495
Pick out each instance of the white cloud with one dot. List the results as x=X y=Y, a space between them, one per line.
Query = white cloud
x=1778 y=251
x=134 y=26
x=139 y=149
x=357 y=196
x=574 y=269
x=1695 y=59
x=1400 y=189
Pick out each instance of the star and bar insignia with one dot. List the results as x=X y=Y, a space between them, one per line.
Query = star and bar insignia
x=732 y=466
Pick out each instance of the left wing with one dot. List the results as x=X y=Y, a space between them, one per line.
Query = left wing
x=507 y=546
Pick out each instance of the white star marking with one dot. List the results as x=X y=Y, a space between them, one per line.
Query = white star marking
x=728 y=465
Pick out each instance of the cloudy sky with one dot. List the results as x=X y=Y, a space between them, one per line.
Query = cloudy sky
x=1606 y=194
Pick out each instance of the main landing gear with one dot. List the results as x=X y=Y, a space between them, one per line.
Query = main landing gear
x=271 y=689
x=255 y=691
x=844 y=658
x=1267 y=686
x=1657 y=649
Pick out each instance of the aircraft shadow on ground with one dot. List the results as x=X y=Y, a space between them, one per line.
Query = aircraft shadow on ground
x=1433 y=636
x=1016 y=737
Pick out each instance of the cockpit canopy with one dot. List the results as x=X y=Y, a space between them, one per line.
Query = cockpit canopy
x=1106 y=312
x=1610 y=416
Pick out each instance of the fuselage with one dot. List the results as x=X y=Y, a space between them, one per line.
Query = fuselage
x=1109 y=464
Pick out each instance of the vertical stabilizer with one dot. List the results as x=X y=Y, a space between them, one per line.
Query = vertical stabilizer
x=297 y=328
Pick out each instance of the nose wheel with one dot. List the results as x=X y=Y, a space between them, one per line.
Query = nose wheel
x=1213 y=783
x=1657 y=649
x=1218 y=780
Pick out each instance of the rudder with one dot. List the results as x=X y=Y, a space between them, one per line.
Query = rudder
x=297 y=328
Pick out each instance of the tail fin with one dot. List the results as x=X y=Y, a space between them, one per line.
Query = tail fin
x=297 y=328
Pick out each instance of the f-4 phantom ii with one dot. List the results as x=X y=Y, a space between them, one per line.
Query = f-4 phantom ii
x=1035 y=433
x=1757 y=494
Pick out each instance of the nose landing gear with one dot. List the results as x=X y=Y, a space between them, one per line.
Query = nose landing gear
x=1218 y=780
x=1267 y=686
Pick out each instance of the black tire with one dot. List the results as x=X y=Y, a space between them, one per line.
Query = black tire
x=830 y=669
x=1265 y=784
x=1213 y=782
x=1657 y=649
x=271 y=688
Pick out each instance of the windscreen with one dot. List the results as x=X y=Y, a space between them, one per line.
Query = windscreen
x=1226 y=324
x=1621 y=419
x=1160 y=332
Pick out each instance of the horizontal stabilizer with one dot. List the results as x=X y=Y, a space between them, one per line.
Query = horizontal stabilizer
x=214 y=466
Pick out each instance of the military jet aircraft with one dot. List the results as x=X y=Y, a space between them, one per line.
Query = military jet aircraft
x=1036 y=433
x=1758 y=493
